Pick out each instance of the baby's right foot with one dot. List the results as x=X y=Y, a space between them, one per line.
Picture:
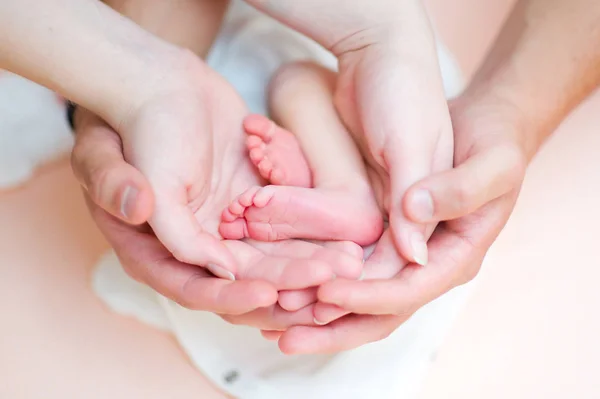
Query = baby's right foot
x=274 y=213
x=276 y=153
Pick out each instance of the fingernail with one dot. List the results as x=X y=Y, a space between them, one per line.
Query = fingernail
x=362 y=276
x=220 y=272
x=419 y=248
x=422 y=205
x=317 y=322
x=128 y=201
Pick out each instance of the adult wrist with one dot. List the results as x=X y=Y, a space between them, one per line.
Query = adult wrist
x=116 y=97
x=162 y=73
x=176 y=71
x=504 y=95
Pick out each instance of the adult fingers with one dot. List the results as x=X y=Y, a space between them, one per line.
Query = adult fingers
x=177 y=228
x=292 y=300
x=285 y=273
x=273 y=318
x=148 y=261
x=98 y=163
x=452 y=255
x=325 y=313
x=344 y=257
x=384 y=263
x=460 y=191
x=457 y=252
x=347 y=333
x=409 y=145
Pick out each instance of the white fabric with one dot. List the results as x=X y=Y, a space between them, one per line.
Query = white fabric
x=238 y=359
x=246 y=366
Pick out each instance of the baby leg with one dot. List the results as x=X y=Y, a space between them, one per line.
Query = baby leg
x=301 y=100
x=342 y=205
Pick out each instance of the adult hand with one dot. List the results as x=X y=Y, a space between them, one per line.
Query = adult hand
x=188 y=142
x=478 y=196
x=389 y=94
x=205 y=155
x=118 y=194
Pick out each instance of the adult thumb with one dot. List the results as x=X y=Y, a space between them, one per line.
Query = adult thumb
x=460 y=191
x=98 y=164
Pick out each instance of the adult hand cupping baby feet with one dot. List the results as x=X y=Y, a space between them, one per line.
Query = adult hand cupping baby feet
x=189 y=145
x=478 y=195
x=388 y=93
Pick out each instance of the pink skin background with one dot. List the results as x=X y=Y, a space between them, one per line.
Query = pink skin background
x=529 y=331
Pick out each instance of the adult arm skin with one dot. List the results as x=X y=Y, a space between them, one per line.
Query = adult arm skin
x=86 y=52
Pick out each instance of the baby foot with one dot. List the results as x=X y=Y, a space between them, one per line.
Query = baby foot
x=276 y=153
x=274 y=213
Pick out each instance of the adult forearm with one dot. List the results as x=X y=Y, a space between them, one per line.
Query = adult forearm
x=344 y=26
x=191 y=24
x=85 y=51
x=545 y=62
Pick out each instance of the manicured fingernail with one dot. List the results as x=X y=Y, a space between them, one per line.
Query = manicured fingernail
x=128 y=201
x=220 y=272
x=422 y=205
x=419 y=248
x=317 y=322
